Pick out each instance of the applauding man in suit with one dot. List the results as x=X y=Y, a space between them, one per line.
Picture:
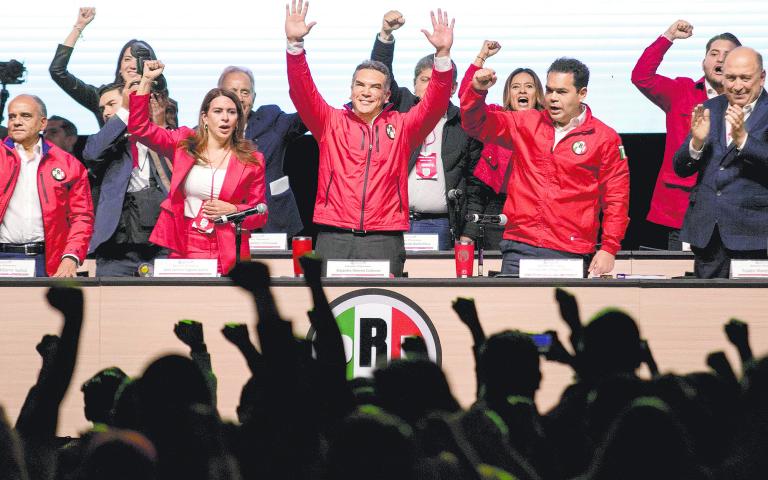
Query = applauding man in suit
x=727 y=216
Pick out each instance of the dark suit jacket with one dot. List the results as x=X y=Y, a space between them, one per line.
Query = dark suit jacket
x=732 y=187
x=108 y=150
x=459 y=150
x=271 y=130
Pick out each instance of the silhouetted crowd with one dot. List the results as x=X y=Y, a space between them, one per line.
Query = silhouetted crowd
x=299 y=417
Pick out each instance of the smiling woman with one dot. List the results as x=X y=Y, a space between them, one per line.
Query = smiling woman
x=216 y=172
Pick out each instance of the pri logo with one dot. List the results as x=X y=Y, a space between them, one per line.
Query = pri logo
x=373 y=324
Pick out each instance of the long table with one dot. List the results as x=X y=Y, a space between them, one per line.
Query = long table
x=128 y=322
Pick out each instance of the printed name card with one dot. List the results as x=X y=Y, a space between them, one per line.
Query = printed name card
x=357 y=269
x=421 y=242
x=268 y=241
x=749 y=268
x=185 y=267
x=17 y=268
x=551 y=268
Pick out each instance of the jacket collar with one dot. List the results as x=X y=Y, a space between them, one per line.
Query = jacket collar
x=351 y=113
x=11 y=145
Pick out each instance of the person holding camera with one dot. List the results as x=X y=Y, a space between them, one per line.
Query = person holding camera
x=129 y=63
x=216 y=172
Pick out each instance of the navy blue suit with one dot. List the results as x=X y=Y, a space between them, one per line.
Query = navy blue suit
x=271 y=129
x=110 y=149
x=732 y=188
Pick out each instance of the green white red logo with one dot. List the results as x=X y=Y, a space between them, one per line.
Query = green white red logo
x=373 y=324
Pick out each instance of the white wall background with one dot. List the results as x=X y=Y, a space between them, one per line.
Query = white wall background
x=197 y=40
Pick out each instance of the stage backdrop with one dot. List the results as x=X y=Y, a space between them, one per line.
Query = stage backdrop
x=198 y=39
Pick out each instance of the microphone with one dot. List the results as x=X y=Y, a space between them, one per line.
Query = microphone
x=487 y=219
x=259 y=209
x=454 y=194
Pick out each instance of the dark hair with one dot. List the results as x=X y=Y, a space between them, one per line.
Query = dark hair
x=69 y=128
x=374 y=65
x=429 y=62
x=509 y=365
x=571 y=65
x=728 y=36
x=197 y=143
x=99 y=393
x=111 y=86
x=127 y=46
x=507 y=101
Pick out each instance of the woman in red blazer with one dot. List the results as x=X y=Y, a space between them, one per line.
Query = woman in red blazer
x=215 y=172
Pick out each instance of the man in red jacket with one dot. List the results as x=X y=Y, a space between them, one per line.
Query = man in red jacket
x=362 y=196
x=46 y=211
x=569 y=167
x=677 y=97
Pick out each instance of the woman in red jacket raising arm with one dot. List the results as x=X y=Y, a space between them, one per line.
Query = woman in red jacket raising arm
x=216 y=172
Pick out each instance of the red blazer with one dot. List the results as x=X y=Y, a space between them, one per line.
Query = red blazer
x=66 y=203
x=677 y=97
x=243 y=186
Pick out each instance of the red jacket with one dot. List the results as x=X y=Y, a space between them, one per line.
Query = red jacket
x=243 y=186
x=495 y=161
x=676 y=97
x=555 y=195
x=363 y=171
x=66 y=204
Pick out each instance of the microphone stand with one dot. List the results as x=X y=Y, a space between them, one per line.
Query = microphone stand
x=480 y=250
x=238 y=238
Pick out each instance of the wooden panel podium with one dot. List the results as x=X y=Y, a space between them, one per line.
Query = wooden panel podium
x=130 y=321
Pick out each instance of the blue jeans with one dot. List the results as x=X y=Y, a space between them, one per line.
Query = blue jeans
x=513 y=252
x=39 y=261
x=440 y=226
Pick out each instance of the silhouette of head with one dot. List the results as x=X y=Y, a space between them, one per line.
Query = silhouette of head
x=610 y=345
x=509 y=365
x=99 y=393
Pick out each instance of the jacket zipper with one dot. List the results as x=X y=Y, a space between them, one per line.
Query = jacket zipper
x=10 y=180
x=42 y=185
x=367 y=167
x=377 y=139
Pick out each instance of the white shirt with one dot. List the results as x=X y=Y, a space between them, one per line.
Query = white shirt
x=561 y=132
x=23 y=220
x=711 y=92
x=696 y=154
x=426 y=192
x=139 y=175
x=197 y=187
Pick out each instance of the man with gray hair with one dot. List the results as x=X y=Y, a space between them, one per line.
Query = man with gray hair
x=362 y=196
x=271 y=130
x=46 y=211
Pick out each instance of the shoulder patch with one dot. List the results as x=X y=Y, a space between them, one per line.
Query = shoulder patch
x=622 y=153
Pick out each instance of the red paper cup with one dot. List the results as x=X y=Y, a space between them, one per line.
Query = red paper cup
x=300 y=246
x=464 y=253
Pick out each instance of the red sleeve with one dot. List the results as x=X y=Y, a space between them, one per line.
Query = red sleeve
x=79 y=215
x=256 y=195
x=423 y=118
x=613 y=184
x=466 y=82
x=658 y=88
x=487 y=124
x=159 y=139
x=312 y=108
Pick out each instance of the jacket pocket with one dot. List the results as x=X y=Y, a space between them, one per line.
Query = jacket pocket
x=328 y=188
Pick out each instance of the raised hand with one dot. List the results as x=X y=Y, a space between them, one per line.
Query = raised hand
x=442 y=33
x=296 y=27
x=190 y=332
x=647 y=358
x=557 y=351
x=392 y=21
x=67 y=300
x=489 y=49
x=699 y=126
x=236 y=333
x=253 y=276
x=47 y=346
x=679 y=30
x=738 y=334
x=313 y=268
x=483 y=79
x=152 y=69
x=85 y=16
x=467 y=311
x=735 y=116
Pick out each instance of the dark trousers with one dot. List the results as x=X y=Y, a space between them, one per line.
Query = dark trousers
x=440 y=226
x=123 y=260
x=673 y=240
x=39 y=261
x=340 y=245
x=714 y=260
x=513 y=252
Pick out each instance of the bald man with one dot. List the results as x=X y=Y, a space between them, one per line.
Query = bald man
x=46 y=212
x=727 y=216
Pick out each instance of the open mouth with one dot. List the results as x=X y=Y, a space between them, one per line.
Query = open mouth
x=554 y=110
x=523 y=101
x=718 y=69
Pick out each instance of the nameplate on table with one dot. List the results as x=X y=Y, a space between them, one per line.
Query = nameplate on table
x=551 y=268
x=421 y=242
x=17 y=268
x=357 y=269
x=749 y=268
x=268 y=241
x=185 y=267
